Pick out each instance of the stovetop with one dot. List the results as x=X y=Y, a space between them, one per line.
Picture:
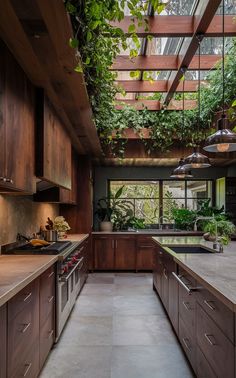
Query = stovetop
x=55 y=248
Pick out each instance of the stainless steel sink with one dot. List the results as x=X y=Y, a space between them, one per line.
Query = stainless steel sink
x=189 y=249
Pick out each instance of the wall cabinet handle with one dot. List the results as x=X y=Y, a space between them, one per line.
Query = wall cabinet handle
x=210 y=339
x=27 y=296
x=186 y=341
x=186 y=305
x=51 y=274
x=208 y=303
x=165 y=274
x=50 y=333
x=28 y=366
x=50 y=299
x=26 y=326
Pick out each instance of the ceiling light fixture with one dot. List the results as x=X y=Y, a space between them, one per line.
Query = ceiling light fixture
x=223 y=140
x=197 y=159
x=181 y=171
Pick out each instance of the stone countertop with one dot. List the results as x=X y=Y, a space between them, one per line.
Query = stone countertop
x=16 y=272
x=77 y=237
x=148 y=232
x=216 y=271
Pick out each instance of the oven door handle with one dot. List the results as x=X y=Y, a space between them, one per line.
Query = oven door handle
x=66 y=278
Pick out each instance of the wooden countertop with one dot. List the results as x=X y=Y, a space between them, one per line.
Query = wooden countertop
x=216 y=271
x=16 y=272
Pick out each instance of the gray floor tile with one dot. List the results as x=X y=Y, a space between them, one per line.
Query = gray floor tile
x=132 y=290
x=95 y=279
x=98 y=289
x=142 y=330
x=87 y=330
x=94 y=305
x=149 y=362
x=78 y=362
x=137 y=305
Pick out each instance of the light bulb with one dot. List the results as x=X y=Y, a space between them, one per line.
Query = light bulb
x=196 y=165
x=222 y=147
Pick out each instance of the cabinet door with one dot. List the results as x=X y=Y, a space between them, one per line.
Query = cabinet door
x=66 y=195
x=53 y=145
x=3 y=341
x=173 y=293
x=104 y=253
x=125 y=253
x=17 y=129
x=157 y=269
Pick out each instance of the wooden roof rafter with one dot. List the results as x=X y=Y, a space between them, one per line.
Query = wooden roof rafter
x=145 y=86
x=179 y=26
x=155 y=105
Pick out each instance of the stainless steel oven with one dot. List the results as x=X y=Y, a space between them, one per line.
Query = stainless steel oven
x=69 y=283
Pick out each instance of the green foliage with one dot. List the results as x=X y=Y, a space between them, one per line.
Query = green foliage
x=136 y=223
x=205 y=210
x=184 y=218
x=223 y=228
x=170 y=205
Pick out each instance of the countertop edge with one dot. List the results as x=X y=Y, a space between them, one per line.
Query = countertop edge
x=29 y=278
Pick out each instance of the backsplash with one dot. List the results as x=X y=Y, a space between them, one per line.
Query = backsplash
x=21 y=214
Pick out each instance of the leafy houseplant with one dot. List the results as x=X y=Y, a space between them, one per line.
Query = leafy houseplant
x=184 y=218
x=221 y=228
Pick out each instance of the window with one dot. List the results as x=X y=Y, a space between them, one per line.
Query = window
x=152 y=199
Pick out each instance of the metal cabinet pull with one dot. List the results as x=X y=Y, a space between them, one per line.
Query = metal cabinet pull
x=26 y=326
x=27 y=296
x=185 y=341
x=165 y=274
x=28 y=366
x=208 y=303
x=186 y=305
x=188 y=289
x=51 y=274
x=208 y=337
x=51 y=333
x=50 y=299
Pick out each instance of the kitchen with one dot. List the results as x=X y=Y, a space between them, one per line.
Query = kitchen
x=113 y=261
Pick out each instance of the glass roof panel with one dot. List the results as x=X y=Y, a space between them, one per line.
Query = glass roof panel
x=164 y=46
x=179 y=7
x=230 y=7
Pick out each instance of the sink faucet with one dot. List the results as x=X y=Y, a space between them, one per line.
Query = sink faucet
x=162 y=217
x=216 y=244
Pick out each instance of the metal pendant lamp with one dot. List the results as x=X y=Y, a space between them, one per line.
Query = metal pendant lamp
x=223 y=140
x=197 y=159
x=181 y=171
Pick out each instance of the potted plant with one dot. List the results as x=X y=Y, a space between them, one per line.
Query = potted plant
x=222 y=229
x=184 y=218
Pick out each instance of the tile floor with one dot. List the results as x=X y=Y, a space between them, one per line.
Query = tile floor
x=117 y=329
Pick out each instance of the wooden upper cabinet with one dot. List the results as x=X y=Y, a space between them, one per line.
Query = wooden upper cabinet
x=16 y=127
x=53 y=145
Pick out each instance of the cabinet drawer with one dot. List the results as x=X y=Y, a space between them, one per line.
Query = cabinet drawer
x=28 y=366
x=188 y=342
x=216 y=347
x=47 y=294
x=24 y=299
x=187 y=308
x=47 y=335
x=220 y=313
x=203 y=368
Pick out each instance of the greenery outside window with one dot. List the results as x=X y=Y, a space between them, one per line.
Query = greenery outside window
x=152 y=199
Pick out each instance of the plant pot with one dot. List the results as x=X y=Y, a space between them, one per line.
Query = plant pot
x=106 y=226
x=207 y=236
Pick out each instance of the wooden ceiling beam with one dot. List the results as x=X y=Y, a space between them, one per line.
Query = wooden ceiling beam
x=203 y=17
x=134 y=86
x=154 y=105
x=178 y=26
x=162 y=63
x=13 y=35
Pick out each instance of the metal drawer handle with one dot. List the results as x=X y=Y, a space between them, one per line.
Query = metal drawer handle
x=208 y=303
x=50 y=299
x=27 y=297
x=28 y=366
x=188 y=289
x=26 y=326
x=66 y=278
x=165 y=274
x=51 y=274
x=51 y=333
x=185 y=341
x=208 y=337
x=186 y=305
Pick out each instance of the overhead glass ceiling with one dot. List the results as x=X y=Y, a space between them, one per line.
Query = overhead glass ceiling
x=172 y=46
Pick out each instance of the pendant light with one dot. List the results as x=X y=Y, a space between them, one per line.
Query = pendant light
x=196 y=159
x=181 y=171
x=223 y=140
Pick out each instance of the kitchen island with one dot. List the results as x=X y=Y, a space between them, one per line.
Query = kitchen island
x=197 y=291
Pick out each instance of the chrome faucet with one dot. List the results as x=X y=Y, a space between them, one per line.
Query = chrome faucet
x=216 y=243
x=162 y=217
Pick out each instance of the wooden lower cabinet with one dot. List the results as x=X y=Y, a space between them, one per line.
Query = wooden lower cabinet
x=145 y=253
x=104 y=253
x=27 y=325
x=3 y=341
x=125 y=253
